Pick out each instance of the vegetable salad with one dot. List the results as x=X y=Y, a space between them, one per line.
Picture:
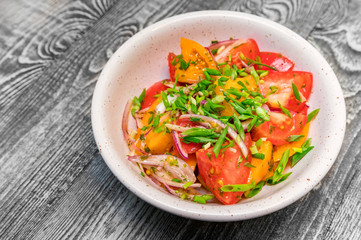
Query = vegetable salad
x=227 y=122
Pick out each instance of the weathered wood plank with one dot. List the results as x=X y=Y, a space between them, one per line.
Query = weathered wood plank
x=54 y=184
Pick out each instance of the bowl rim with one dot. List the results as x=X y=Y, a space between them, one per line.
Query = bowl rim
x=201 y=215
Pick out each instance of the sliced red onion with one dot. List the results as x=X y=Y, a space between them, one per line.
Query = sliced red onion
x=177 y=127
x=265 y=107
x=179 y=146
x=180 y=170
x=125 y=121
x=221 y=43
x=231 y=132
x=152 y=181
x=225 y=52
x=150 y=129
x=203 y=102
x=175 y=184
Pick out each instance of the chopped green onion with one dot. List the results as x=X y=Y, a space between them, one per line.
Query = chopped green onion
x=312 y=115
x=176 y=180
x=262 y=113
x=278 y=176
x=156 y=121
x=196 y=119
x=252 y=123
x=254 y=75
x=176 y=81
x=253 y=192
x=185 y=186
x=218 y=145
x=296 y=92
x=285 y=110
x=259 y=142
x=253 y=149
x=202 y=199
x=165 y=99
x=294 y=138
x=238 y=187
x=273 y=90
x=239 y=127
x=265 y=73
x=298 y=156
x=297 y=150
x=218 y=99
x=258 y=155
x=247 y=164
x=221 y=64
x=184 y=64
x=187 y=139
x=213 y=72
x=207 y=76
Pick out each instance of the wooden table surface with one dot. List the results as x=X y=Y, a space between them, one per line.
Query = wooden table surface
x=54 y=183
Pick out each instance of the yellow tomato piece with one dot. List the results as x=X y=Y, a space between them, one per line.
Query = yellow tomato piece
x=198 y=58
x=278 y=150
x=159 y=143
x=261 y=166
x=270 y=173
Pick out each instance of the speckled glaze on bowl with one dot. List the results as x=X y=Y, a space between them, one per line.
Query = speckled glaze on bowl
x=142 y=60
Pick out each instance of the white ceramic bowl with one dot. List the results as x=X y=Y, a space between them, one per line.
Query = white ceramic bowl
x=142 y=60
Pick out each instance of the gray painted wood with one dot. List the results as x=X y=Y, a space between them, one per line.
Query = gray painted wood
x=53 y=182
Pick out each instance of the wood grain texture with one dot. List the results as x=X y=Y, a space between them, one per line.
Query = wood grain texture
x=53 y=182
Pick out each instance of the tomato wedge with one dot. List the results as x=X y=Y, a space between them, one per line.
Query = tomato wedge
x=277 y=60
x=249 y=49
x=189 y=147
x=281 y=83
x=280 y=127
x=153 y=90
x=171 y=67
x=224 y=170
x=195 y=59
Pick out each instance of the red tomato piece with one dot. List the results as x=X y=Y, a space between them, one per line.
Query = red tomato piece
x=223 y=170
x=189 y=147
x=171 y=67
x=155 y=89
x=282 y=63
x=282 y=82
x=280 y=127
x=249 y=49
